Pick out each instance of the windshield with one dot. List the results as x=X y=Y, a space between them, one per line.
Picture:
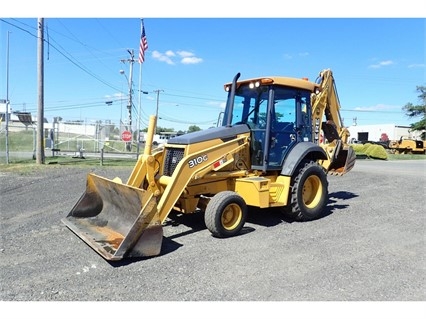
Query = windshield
x=251 y=106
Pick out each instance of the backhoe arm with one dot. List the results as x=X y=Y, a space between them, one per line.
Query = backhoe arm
x=325 y=103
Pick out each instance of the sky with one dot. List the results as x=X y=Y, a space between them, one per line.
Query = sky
x=377 y=61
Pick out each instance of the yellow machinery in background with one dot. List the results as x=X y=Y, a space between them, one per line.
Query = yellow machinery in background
x=407 y=146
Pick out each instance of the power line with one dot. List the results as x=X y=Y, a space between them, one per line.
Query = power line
x=87 y=47
x=70 y=58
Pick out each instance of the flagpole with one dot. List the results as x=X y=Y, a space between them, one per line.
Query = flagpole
x=143 y=45
x=139 y=96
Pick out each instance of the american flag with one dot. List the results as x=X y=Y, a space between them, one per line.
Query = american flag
x=143 y=45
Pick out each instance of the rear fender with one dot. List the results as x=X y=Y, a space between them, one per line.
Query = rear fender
x=299 y=152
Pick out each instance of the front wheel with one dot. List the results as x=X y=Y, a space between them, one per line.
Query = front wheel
x=309 y=192
x=225 y=214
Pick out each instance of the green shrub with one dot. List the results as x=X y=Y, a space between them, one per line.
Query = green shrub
x=370 y=150
x=358 y=148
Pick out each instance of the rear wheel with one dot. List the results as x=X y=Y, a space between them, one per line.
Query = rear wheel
x=309 y=192
x=225 y=214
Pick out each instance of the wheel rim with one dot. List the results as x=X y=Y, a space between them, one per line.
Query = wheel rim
x=312 y=190
x=231 y=216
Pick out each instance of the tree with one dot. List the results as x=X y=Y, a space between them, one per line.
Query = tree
x=164 y=129
x=418 y=110
x=193 y=128
x=159 y=129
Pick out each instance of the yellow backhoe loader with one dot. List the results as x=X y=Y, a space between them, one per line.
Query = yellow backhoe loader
x=279 y=139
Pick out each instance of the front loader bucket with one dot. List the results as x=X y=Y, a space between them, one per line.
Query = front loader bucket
x=116 y=220
x=344 y=161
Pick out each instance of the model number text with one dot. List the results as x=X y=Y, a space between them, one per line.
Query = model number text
x=198 y=160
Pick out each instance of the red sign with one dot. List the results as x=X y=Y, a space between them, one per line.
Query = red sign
x=126 y=136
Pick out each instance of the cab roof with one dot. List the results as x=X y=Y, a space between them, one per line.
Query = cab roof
x=280 y=80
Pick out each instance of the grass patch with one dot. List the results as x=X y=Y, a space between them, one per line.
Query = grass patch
x=90 y=161
x=22 y=141
x=406 y=157
x=24 y=166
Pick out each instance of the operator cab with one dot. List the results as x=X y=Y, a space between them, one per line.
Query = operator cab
x=278 y=115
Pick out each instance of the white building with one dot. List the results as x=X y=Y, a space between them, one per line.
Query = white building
x=377 y=131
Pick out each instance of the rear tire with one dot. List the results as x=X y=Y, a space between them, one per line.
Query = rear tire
x=309 y=192
x=225 y=214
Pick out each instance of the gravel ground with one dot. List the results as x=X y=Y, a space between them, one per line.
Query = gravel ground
x=369 y=246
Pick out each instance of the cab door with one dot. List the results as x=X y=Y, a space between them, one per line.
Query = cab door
x=283 y=126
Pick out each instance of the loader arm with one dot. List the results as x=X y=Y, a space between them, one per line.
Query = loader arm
x=145 y=169
x=192 y=167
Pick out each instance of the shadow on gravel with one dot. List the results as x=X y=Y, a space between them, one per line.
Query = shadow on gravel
x=195 y=223
x=167 y=246
x=126 y=262
x=267 y=217
x=342 y=195
x=334 y=198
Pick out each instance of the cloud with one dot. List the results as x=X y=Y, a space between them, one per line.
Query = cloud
x=170 y=53
x=170 y=57
x=377 y=107
x=381 y=64
x=418 y=65
x=185 y=54
x=216 y=104
x=163 y=57
x=191 y=60
x=115 y=96
x=288 y=56
x=119 y=95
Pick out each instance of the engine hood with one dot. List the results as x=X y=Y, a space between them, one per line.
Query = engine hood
x=221 y=132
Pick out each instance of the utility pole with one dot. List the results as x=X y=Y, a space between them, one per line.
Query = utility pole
x=130 y=102
x=156 y=112
x=40 y=112
x=7 y=100
x=138 y=138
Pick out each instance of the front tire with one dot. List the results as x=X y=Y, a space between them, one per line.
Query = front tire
x=309 y=192
x=225 y=214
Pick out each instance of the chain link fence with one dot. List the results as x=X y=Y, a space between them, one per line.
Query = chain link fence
x=70 y=138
